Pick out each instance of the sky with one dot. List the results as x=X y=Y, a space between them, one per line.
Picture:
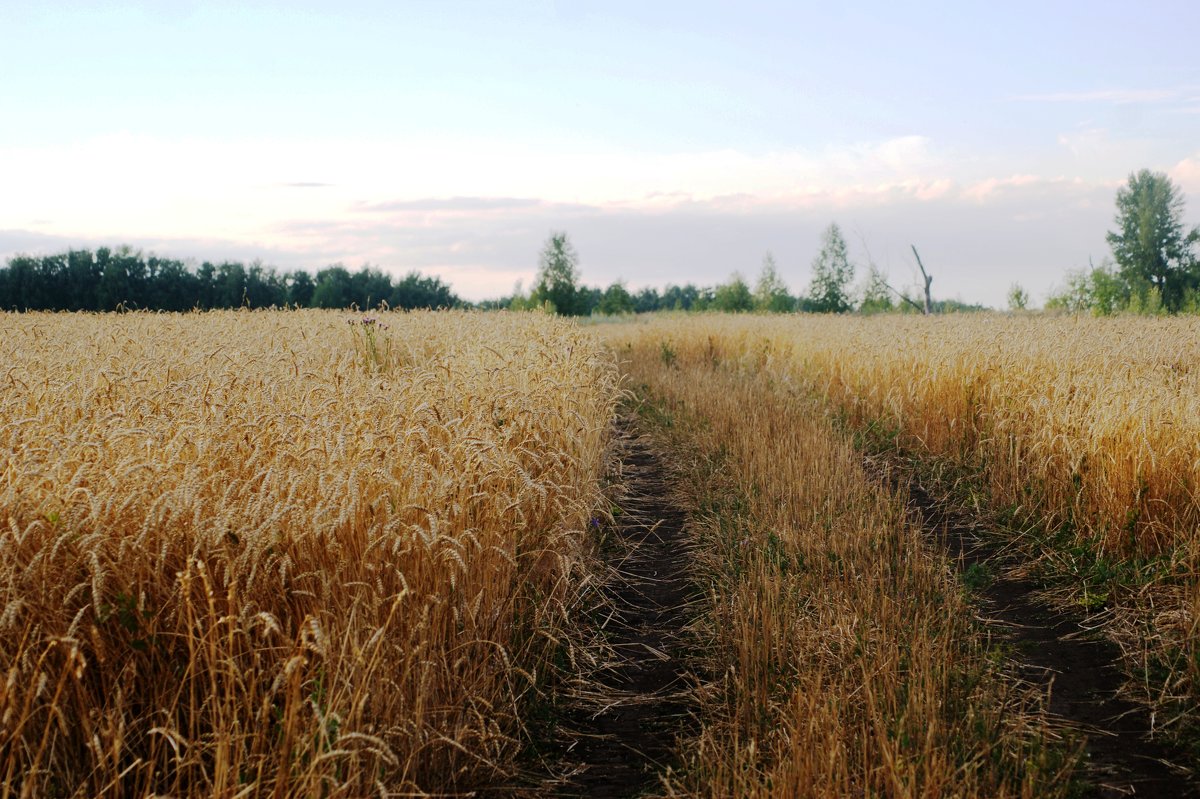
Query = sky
x=673 y=141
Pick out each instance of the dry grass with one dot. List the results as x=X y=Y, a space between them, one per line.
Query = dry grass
x=841 y=653
x=1086 y=428
x=250 y=554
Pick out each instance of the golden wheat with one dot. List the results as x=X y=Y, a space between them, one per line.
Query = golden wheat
x=272 y=553
x=1092 y=422
x=841 y=657
x=1089 y=427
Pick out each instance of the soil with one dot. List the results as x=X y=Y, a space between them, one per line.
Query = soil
x=618 y=734
x=1057 y=652
x=622 y=730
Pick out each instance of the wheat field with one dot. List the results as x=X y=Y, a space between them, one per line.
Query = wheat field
x=314 y=553
x=838 y=650
x=1083 y=433
x=1091 y=424
x=274 y=553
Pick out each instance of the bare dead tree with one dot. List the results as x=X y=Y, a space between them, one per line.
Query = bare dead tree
x=904 y=296
x=928 y=308
x=928 y=279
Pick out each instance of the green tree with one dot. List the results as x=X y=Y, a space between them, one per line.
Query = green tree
x=519 y=301
x=300 y=287
x=170 y=285
x=206 y=281
x=876 y=294
x=333 y=289
x=230 y=286
x=115 y=289
x=1100 y=290
x=829 y=291
x=83 y=280
x=368 y=287
x=558 y=277
x=23 y=287
x=1018 y=297
x=734 y=296
x=616 y=300
x=647 y=300
x=415 y=290
x=587 y=300
x=263 y=287
x=679 y=298
x=1150 y=245
x=123 y=277
x=770 y=293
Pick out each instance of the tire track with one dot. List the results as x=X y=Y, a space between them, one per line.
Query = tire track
x=1075 y=667
x=625 y=726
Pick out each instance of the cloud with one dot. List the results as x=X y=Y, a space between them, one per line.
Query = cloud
x=477 y=212
x=244 y=188
x=983 y=233
x=983 y=190
x=1187 y=174
x=976 y=238
x=16 y=241
x=902 y=155
x=934 y=190
x=1098 y=146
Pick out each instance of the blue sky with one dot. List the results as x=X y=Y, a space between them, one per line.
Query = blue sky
x=673 y=141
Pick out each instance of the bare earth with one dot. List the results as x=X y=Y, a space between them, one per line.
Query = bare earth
x=1059 y=654
x=624 y=734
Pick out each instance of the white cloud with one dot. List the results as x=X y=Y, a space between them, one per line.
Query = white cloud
x=475 y=212
x=977 y=238
x=239 y=189
x=983 y=190
x=1187 y=174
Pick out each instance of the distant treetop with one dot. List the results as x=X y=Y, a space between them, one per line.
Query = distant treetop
x=107 y=279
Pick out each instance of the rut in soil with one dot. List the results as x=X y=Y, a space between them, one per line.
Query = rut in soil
x=1058 y=653
x=624 y=728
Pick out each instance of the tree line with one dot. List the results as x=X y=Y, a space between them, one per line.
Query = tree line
x=832 y=289
x=123 y=278
x=1154 y=269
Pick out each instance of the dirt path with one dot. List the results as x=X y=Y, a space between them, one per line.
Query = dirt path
x=623 y=730
x=1059 y=654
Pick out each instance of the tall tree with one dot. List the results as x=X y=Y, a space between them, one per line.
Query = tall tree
x=733 y=296
x=230 y=285
x=1150 y=244
x=300 y=288
x=829 y=291
x=206 y=286
x=876 y=293
x=679 y=298
x=333 y=288
x=1018 y=297
x=264 y=287
x=418 y=291
x=170 y=286
x=770 y=293
x=24 y=286
x=83 y=279
x=558 y=276
x=616 y=300
x=648 y=300
x=369 y=286
x=116 y=287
